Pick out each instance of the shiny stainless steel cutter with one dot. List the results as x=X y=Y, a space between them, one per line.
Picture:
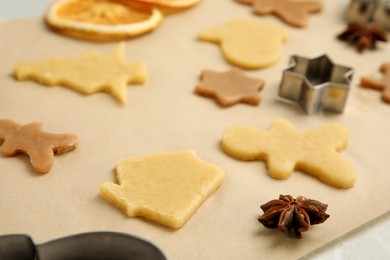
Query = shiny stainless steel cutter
x=316 y=84
x=369 y=11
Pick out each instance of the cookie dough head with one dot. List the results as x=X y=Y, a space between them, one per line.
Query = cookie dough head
x=247 y=43
x=284 y=149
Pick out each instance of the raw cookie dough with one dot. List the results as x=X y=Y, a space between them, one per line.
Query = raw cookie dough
x=284 y=149
x=248 y=43
x=379 y=84
x=88 y=73
x=293 y=12
x=230 y=87
x=165 y=187
x=31 y=140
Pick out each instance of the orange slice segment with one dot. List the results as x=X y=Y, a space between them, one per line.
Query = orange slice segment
x=101 y=20
x=166 y=6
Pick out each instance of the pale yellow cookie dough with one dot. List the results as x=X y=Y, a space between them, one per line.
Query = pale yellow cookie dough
x=285 y=149
x=87 y=73
x=248 y=43
x=165 y=187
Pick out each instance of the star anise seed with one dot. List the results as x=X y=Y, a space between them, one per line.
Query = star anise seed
x=363 y=36
x=296 y=215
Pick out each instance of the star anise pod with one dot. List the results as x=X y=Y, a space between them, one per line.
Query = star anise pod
x=289 y=214
x=362 y=35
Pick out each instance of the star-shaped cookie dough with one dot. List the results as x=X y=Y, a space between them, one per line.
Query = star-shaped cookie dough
x=31 y=140
x=87 y=73
x=293 y=12
x=165 y=187
x=230 y=87
x=382 y=84
x=284 y=149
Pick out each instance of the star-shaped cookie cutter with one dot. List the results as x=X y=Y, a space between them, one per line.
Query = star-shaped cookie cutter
x=367 y=11
x=316 y=84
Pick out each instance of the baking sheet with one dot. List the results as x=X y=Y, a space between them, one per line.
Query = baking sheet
x=165 y=115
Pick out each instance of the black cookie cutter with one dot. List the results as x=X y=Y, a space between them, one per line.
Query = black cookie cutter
x=86 y=246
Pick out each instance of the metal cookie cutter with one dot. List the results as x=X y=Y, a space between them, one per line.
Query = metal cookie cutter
x=316 y=84
x=382 y=14
x=86 y=246
x=367 y=11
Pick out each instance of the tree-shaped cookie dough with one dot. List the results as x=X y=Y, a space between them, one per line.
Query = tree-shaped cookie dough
x=166 y=187
x=293 y=12
x=230 y=87
x=284 y=149
x=248 y=43
x=31 y=140
x=379 y=84
x=87 y=73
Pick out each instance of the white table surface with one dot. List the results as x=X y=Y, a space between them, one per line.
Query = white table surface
x=370 y=241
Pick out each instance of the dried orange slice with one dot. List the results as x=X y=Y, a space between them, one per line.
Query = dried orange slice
x=101 y=20
x=167 y=6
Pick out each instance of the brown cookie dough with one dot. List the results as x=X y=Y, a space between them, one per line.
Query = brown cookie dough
x=31 y=140
x=230 y=87
x=382 y=84
x=293 y=12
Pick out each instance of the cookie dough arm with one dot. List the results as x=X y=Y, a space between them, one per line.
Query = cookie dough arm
x=211 y=34
x=261 y=7
x=63 y=143
x=371 y=82
x=385 y=68
x=331 y=169
x=6 y=126
x=140 y=73
x=242 y=142
x=298 y=18
x=295 y=12
x=334 y=135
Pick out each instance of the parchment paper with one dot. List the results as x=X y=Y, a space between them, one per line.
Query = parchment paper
x=165 y=114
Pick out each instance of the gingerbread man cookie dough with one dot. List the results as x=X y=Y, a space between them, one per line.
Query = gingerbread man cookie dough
x=247 y=43
x=379 y=84
x=31 y=140
x=284 y=150
x=293 y=12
